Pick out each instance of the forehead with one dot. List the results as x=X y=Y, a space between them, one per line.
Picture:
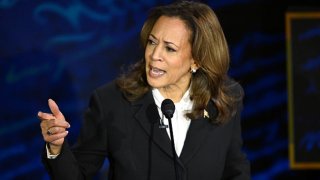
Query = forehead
x=170 y=27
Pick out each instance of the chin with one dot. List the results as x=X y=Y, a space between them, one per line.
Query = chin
x=154 y=83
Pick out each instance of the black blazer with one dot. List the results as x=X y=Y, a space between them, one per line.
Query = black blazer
x=128 y=134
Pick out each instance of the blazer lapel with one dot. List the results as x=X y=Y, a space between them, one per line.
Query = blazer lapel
x=148 y=117
x=196 y=135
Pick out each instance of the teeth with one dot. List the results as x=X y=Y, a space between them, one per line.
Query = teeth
x=157 y=71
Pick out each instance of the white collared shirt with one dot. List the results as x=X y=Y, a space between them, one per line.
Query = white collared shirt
x=180 y=123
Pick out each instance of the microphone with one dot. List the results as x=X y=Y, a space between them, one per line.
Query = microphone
x=167 y=108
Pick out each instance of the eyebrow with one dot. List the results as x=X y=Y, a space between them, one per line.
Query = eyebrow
x=167 y=42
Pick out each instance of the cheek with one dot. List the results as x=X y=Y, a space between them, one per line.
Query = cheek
x=177 y=70
x=180 y=65
x=146 y=52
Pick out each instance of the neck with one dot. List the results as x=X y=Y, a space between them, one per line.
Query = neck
x=174 y=93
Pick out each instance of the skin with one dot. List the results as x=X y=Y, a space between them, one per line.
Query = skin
x=168 y=64
x=168 y=57
x=56 y=124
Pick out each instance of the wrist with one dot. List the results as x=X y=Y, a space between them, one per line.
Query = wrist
x=54 y=149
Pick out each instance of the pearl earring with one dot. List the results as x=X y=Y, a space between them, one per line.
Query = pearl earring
x=193 y=70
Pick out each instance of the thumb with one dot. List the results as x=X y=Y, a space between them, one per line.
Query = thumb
x=54 y=108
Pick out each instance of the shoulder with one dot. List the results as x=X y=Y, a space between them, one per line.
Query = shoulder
x=108 y=91
x=112 y=91
x=108 y=87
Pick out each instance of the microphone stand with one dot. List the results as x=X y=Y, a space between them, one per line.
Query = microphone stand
x=167 y=108
x=173 y=150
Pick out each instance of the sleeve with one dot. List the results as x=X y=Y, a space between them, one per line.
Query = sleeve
x=237 y=166
x=86 y=157
x=49 y=155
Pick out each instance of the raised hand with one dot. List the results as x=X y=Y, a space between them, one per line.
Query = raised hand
x=53 y=126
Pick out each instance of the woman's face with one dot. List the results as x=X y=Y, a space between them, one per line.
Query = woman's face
x=168 y=55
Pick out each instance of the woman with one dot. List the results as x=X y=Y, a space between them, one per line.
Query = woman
x=186 y=60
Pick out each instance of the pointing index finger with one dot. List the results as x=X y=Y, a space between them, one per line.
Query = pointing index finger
x=52 y=121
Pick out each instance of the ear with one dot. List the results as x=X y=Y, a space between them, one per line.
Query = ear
x=194 y=66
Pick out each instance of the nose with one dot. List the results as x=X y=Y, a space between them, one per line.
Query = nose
x=156 y=53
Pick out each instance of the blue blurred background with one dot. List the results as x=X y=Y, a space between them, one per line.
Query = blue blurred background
x=65 y=49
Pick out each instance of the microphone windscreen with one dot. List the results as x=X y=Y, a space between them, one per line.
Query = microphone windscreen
x=167 y=108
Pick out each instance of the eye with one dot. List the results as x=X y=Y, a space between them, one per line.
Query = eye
x=170 y=49
x=151 y=42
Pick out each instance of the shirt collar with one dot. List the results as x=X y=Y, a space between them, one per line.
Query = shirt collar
x=184 y=104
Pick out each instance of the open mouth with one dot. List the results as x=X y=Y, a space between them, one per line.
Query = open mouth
x=156 y=72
